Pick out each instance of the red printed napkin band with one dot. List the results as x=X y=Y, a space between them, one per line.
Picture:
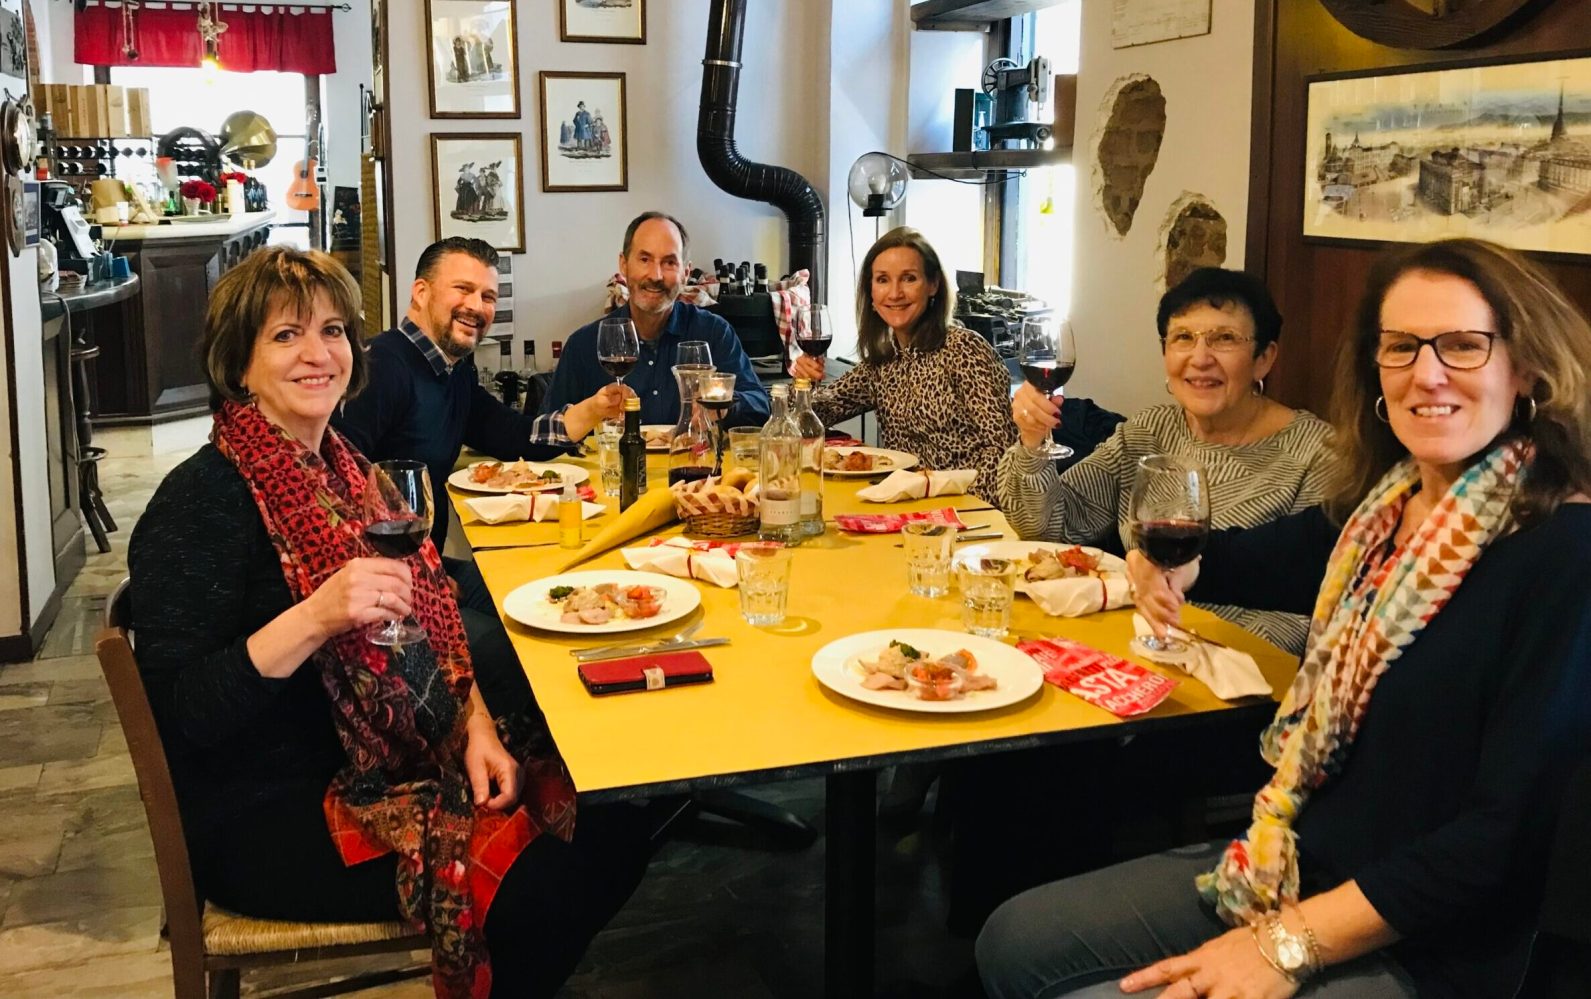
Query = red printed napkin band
x=890 y=523
x=1123 y=688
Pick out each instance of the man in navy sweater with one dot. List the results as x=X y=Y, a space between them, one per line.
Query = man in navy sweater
x=424 y=401
x=654 y=264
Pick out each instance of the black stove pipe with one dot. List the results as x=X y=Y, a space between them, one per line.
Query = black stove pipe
x=715 y=145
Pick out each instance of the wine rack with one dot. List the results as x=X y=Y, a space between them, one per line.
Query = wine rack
x=80 y=161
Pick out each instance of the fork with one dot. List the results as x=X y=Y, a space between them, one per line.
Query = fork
x=650 y=646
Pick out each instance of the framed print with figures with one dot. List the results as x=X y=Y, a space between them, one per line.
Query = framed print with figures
x=472 y=61
x=584 y=139
x=478 y=184
x=617 y=21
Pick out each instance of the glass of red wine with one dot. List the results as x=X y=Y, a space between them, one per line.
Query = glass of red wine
x=398 y=511
x=618 y=347
x=814 y=336
x=1047 y=354
x=1170 y=522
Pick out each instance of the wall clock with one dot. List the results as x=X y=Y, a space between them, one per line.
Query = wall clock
x=1424 y=24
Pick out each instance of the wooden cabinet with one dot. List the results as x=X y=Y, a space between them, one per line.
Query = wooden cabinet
x=149 y=369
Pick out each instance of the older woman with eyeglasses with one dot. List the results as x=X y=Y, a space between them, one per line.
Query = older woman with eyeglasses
x=1218 y=334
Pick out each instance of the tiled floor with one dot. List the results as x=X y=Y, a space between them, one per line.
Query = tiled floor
x=720 y=913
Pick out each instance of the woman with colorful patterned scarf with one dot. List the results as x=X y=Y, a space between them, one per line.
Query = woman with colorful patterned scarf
x=1399 y=846
x=321 y=777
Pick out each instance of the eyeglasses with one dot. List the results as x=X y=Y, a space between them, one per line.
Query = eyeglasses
x=1220 y=341
x=1462 y=350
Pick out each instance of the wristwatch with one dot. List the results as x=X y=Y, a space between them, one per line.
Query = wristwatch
x=1296 y=955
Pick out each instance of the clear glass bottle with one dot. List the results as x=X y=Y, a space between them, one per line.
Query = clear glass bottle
x=811 y=429
x=690 y=449
x=780 y=490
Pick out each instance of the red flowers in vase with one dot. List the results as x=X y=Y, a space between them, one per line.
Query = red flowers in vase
x=201 y=191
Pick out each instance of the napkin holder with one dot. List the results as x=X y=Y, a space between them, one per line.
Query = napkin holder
x=618 y=676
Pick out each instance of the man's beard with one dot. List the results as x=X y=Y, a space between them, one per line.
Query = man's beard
x=668 y=295
x=451 y=345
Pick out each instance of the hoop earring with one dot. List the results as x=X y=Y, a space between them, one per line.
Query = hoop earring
x=1531 y=416
x=1168 y=386
x=1259 y=386
x=1380 y=408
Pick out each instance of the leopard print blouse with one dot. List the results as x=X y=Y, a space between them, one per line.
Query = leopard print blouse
x=950 y=407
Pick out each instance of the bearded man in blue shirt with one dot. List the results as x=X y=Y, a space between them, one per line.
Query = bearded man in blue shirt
x=654 y=264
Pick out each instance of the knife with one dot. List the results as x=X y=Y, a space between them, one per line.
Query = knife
x=595 y=655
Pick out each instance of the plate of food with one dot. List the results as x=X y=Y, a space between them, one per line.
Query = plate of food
x=515 y=476
x=927 y=670
x=859 y=461
x=1042 y=560
x=657 y=435
x=602 y=601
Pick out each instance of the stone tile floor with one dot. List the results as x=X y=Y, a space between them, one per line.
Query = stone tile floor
x=719 y=914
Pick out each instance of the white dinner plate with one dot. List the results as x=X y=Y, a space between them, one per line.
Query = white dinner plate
x=460 y=479
x=529 y=604
x=657 y=428
x=838 y=667
x=898 y=460
x=1019 y=550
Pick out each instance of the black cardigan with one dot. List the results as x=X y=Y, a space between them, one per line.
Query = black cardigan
x=205 y=578
x=1444 y=806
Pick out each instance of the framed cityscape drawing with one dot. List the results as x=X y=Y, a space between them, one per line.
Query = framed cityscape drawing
x=479 y=190
x=472 y=62
x=1495 y=150
x=619 y=21
x=584 y=139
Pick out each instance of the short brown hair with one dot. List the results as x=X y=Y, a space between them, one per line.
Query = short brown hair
x=1549 y=343
x=874 y=340
x=645 y=217
x=432 y=255
x=246 y=296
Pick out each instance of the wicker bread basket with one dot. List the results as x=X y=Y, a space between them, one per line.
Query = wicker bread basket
x=718 y=523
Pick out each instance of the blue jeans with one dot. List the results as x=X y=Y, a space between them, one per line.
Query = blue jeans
x=1078 y=937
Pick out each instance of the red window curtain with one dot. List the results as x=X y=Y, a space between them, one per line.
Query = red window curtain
x=283 y=40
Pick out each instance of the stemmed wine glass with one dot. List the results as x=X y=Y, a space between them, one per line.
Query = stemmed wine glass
x=816 y=334
x=1047 y=353
x=694 y=355
x=618 y=347
x=1170 y=522
x=398 y=511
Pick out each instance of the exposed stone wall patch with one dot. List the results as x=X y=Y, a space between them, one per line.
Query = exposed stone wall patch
x=1134 y=113
x=1193 y=235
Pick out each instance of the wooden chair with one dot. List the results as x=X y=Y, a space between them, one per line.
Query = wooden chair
x=211 y=947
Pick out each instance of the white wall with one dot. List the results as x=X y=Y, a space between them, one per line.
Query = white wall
x=573 y=240
x=1207 y=86
x=340 y=102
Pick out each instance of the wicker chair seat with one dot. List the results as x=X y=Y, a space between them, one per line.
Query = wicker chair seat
x=229 y=933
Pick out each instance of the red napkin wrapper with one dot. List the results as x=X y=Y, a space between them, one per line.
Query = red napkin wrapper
x=842 y=442
x=727 y=547
x=615 y=676
x=890 y=523
x=1123 y=688
x=587 y=493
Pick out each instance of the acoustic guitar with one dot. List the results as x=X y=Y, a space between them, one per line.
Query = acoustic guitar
x=304 y=194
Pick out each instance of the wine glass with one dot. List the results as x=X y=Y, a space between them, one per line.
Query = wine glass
x=1047 y=354
x=815 y=335
x=618 y=347
x=1170 y=522
x=398 y=511
x=694 y=355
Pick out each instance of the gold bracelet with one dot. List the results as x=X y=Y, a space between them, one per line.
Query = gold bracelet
x=1255 y=929
x=1316 y=965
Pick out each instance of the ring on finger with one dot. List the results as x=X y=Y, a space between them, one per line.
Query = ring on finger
x=381 y=600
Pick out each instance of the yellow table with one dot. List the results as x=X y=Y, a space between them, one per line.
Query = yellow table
x=766 y=717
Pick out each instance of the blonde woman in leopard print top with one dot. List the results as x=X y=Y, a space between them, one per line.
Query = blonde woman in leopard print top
x=940 y=391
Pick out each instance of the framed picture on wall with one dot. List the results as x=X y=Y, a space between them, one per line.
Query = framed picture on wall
x=478 y=184
x=474 y=70
x=621 y=21
x=1490 y=149
x=584 y=140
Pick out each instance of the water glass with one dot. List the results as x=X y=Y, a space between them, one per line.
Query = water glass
x=928 y=557
x=988 y=587
x=764 y=575
x=608 y=434
x=745 y=447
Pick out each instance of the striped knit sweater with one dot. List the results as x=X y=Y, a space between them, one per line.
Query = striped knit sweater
x=1249 y=484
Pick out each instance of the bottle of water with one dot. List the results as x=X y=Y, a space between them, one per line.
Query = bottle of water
x=780 y=495
x=811 y=429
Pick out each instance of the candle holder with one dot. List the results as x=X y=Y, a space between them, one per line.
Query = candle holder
x=717 y=396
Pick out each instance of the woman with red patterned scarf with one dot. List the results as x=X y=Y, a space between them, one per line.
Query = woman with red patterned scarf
x=322 y=777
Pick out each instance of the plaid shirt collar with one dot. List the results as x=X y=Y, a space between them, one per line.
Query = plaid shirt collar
x=426 y=346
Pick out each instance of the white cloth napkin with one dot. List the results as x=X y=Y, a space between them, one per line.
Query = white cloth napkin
x=1080 y=596
x=680 y=557
x=905 y=485
x=516 y=506
x=1228 y=673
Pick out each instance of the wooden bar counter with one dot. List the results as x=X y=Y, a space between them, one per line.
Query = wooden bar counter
x=148 y=369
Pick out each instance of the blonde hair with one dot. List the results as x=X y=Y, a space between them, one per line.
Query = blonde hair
x=244 y=299
x=1549 y=343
